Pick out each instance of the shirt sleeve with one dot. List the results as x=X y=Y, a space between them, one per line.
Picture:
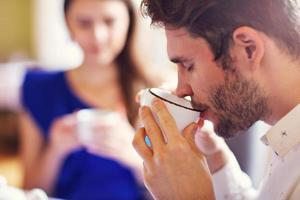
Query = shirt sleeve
x=36 y=92
x=230 y=183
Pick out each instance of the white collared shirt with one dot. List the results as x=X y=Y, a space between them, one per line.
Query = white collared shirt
x=282 y=180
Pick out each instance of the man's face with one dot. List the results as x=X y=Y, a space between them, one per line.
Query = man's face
x=232 y=102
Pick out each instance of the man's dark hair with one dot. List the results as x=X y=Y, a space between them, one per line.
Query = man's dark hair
x=216 y=20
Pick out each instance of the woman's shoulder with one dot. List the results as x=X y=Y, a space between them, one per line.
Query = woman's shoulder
x=41 y=81
x=42 y=77
x=39 y=85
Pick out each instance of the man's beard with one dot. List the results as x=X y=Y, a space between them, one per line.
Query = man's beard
x=238 y=104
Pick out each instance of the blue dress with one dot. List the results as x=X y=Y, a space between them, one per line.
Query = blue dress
x=83 y=176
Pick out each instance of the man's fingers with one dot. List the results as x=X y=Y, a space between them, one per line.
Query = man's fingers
x=207 y=141
x=140 y=145
x=189 y=134
x=153 y=131
x=167 y=123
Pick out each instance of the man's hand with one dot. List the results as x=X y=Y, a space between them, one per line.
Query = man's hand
x=213 y=147
x=174 y=168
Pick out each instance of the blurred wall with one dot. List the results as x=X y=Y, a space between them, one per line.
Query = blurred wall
x=52 y=43
x=16 y=30
x=55 y=49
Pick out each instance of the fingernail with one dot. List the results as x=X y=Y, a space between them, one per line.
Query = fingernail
x=155 y=102
x=142 y=112
x=139 y=125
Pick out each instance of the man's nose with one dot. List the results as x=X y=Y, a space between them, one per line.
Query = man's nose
x=183 y=88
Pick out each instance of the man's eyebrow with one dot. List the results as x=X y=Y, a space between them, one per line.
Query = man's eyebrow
x=178 y=60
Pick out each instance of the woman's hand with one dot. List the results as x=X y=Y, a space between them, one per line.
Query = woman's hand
x=63 y=137
x=112 y=139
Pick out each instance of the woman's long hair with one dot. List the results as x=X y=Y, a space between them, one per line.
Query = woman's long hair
x=132 y=77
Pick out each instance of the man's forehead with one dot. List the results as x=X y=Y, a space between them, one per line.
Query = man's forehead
x=177 y=43
x=181 y=46
x=176 y=32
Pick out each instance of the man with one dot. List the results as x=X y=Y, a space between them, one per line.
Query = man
x=239 y=60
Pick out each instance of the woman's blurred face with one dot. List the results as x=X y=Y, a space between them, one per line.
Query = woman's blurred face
x=99 y=27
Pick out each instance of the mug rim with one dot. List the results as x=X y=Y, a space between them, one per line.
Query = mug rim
x=168 y=101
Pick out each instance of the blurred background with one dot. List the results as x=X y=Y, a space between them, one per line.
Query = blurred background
x=33 y=35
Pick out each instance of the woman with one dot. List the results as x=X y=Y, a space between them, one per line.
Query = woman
x=108 y=78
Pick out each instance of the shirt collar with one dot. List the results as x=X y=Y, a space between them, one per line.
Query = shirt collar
x=285 y=134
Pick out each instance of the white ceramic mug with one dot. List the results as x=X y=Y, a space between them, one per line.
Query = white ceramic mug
x=89 y=119
x=181 y=109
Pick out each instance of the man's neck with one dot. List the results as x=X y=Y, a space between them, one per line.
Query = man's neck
x=283 y=87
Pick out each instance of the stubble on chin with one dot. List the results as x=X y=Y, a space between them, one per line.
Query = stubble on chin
x=238 y=104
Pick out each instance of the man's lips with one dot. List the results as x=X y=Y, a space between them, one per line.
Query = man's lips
x=200 y=107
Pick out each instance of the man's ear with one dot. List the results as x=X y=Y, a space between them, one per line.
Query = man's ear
x=249 y=46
